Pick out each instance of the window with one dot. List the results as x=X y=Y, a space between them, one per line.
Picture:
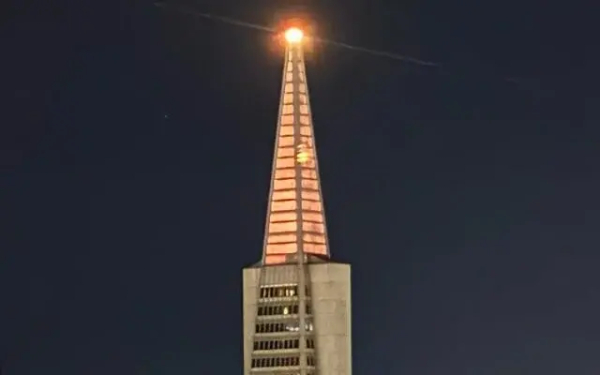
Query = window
x=278 y=291
x=275 y=362
x=310 y=361
x=283 y=309
x=276 y=344
x=310 y=344
x=294 y=326
x=270 y=327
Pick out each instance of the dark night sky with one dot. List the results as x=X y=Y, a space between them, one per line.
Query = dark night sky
x=135 y=151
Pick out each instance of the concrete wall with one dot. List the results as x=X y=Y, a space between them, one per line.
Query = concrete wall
x=331 y=304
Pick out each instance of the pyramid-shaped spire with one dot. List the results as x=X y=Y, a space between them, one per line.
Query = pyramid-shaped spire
x=295 y=218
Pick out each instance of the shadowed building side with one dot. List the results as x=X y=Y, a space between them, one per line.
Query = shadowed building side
x=297 y=316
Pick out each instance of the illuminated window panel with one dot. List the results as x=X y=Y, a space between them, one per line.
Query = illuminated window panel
x=312 y=217
x=310 y=184
x=315 y=249
x=305 y=130
x=276 y=344
x=283 y=238
x=287 y=120
x=313 y=238
x=275 y=259
x=307 y=141
x=285 y=308
x=302 y=77
x=284 y=184
x=281 y=174
x=289 y=248
x=289 y=88
x=303 y=99
x=284 y=195
x=302 y=88
x=276 y=361
x=284 y=216
x=289 y=77
x=313 y=227
x=311 y=206
x=285 y=290
x=287 y=109
x=311 y=195
x=286 y=130
x=304 y=120
x=283 y=206
x=304 y=109
x=291 y=226
x=288 y=98
x=286 y=141
x=285 y=163
x=309 y=173
x=286 y=152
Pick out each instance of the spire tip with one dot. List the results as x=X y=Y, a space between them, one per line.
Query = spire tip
x=294 y=35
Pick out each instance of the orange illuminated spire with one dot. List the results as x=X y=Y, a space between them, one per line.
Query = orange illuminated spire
x=295 y=218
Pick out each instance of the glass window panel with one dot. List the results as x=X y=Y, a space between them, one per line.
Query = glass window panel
x=282 y=195
x=311 y=195
x=310 y=216
x=286 y=151
x=303 y=99
x=285 y=162
x=289 y=88
x=289 y=248
x=313 y=227
x=285 y=216
x=309 y=173
x=304 y=109
x=315 y=249
x=288 y=98
x=285 y=174
x=284 y=184
x=286 y=141
x=311 y=206
x=313 y=238
x=287 y=120
x=302 y=88
x=287 y=130
x=283 y=206
x=306 y=140
x=305 y=130
x=304 y=120
x=283 y=227
x=281 y=238
x=287 y=109
x=289 y=76
x=310 y=184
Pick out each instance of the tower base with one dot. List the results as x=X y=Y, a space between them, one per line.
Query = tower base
x=328 y=319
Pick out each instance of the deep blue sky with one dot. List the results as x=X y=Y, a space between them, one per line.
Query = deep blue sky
x=135 y=157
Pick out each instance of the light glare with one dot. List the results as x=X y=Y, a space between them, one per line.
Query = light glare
x=294 y=35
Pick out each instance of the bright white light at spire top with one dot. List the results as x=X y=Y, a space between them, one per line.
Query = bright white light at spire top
x=294 y=35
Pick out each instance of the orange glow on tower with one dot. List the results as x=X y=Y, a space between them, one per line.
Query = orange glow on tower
x=295 y=219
